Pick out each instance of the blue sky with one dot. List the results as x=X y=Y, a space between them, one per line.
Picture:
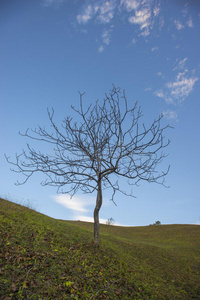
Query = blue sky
x=51 y=49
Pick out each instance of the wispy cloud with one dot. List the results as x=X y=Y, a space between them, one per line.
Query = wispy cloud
x=106 y=35
x=80 y=206
x=190 y=23
x=47 y=3
x=142 y=18
x=161 y=75
x=159 y=93
x=106 y=38
x=148 y=89
x=140 y=13
x=170 y=115
x=145 y=13
x=181 y=64
x=182 y=86
x=103 y=11
x=134 y=41
x=106 y=11
x=156 y=11
x=154 y=49
x=76 y=203
x=101 y=49
x=86 y=15
x=178 y=89
x=130 y=5
x=88 y=219
x=161 y=23
x=178 y=25
x=164 y=94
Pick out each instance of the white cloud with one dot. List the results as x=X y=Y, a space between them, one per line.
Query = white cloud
x=170 y=115
x=178 y=25
x=141 y=17
x=101 y=220
x=181 y=64
x=106 y=11
x=76 y=203
x=154 y=49
x=143 y=12
x=130 y=4
x=190 y=23
x=101 y=49
x=161 y=23
x=134 y=41
x=162 y=75
x=185 y=11
x=156 y=11
x=178 y=89
x=159 y=93
x=88 y=219
x=148 y=89
x=81 y=206
x=168 y=99
x=86 y=15
x=164 y=95
x=48 y=3
x=181 y=87
x=106 y=37
x=102 y=10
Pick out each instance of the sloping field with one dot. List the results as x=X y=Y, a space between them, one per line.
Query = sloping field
x=44 y=258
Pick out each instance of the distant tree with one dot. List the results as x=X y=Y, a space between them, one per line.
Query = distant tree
x=157 y=223
x=105 y=140
x=110 y=221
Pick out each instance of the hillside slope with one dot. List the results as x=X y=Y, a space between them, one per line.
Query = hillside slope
x=44 y=258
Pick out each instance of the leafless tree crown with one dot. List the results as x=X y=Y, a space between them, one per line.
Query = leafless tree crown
x=106 y=139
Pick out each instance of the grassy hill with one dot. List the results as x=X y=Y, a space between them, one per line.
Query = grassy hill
x=44 y=258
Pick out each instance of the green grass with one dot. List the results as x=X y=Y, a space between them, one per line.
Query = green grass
x=44 y=258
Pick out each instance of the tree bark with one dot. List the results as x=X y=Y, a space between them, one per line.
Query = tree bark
x=96 y=214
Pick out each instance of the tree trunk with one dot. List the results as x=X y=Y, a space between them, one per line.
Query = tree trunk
x=96 y=214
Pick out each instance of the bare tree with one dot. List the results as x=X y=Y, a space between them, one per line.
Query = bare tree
x=108 y=140
x=110 y=221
